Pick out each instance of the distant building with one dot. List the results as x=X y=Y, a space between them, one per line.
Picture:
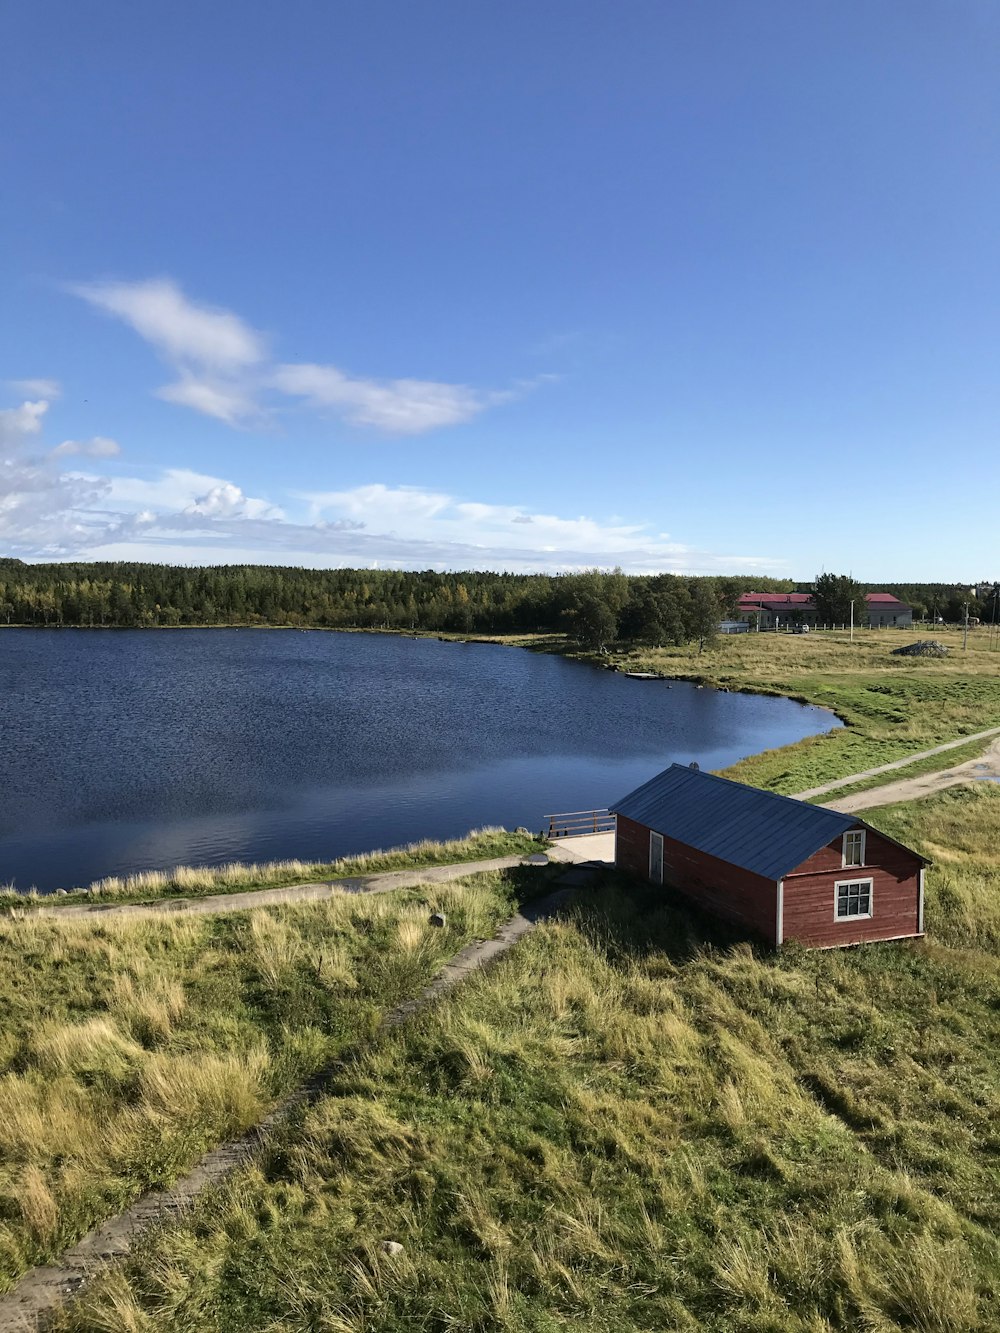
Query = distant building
x=734 y=627
x=777 y=610
x=884 y=609
x=780 y=868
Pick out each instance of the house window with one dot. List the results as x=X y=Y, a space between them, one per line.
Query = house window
x=854 y=848
x=853 y=898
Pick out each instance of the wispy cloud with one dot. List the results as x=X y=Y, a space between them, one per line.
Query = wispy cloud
x=43 y=388
x=224 y=371
x=98 y=446
x=233 y=403
x=182 y=330
x=399 y=407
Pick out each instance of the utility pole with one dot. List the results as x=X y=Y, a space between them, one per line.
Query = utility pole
x=852 y=620
x=965 y=636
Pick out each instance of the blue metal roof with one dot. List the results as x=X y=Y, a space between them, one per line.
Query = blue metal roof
x=768 y=834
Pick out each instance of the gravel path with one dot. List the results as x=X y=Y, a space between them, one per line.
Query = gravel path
x=37 y=1296
x=211 y=904
x=987 y=768
x=990 y=758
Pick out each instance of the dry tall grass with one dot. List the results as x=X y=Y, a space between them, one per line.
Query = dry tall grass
x=130 y=1045
x=636 y=1122
x=480 y=844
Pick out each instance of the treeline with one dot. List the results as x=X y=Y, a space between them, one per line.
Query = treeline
x=596 y=607
x=947 y=600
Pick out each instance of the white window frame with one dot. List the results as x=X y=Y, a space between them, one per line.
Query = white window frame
x=654 y=839
x=853 y=833
x=854 y=916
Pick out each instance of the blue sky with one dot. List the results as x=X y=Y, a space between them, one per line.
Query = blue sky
x=704 y=287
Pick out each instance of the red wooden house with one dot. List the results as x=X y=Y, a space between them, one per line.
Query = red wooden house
x=782 y=869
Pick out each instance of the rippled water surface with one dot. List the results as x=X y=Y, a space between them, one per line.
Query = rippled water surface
x=131 y=750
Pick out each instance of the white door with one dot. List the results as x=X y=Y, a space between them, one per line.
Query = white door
x=656 y=857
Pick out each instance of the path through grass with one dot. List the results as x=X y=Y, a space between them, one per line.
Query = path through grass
x=130 y=1046
x=189 y=881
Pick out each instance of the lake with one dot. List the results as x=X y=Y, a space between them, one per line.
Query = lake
x=135 y=750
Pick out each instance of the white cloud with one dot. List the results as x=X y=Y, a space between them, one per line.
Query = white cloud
x=43 y=512
x=187 y=516
x=228 y=501
x=384 y=504
x=171 y=490
x=408 y=527
x=224 y=372
x=399 y=407
x=98 y=446
x=182 y=330
x=226 y=401
x=180 y=514
x=18 y=423
x=36 y=388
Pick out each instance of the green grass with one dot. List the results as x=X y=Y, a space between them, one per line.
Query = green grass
x=191 y=881
x=128 y=1046
x=934 y=763
x=637 y=1121
x=892 y=706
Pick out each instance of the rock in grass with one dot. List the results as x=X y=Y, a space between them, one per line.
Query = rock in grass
x=921 y=648
x=438 y=919
x=392 y=1247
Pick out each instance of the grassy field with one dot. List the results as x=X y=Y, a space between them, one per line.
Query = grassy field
x=961 y=754
x=189 y=881
x=129 y=1046
x=893 y=706
x=638 y=1122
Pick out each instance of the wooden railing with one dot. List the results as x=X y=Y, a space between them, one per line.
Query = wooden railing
x=578 y=822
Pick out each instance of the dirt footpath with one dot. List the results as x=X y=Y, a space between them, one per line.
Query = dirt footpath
x=926 y=784
x=211 y=904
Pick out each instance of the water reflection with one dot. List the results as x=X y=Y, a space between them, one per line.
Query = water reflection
x=124 y=751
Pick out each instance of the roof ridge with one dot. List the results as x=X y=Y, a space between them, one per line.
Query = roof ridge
x=746 y=786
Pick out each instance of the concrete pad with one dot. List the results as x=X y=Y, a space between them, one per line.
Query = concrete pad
x=587 y=847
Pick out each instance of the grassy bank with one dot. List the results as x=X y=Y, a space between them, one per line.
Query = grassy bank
x=961 y=754
x=638 y=1122
x=186 y=881
x=129 y=1046
x=893 y=706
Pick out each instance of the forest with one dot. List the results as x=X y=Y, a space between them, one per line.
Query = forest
x=595 y=607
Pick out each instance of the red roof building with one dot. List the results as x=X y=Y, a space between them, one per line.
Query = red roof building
x=775 y=610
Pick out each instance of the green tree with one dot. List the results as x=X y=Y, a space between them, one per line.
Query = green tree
x=834 y=594
x=706 y=612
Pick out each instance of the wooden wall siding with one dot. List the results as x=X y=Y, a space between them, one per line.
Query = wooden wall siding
x=742 y=897
x=809 y=907
x=878 y=852
x=632 y=847
x=716 y=886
